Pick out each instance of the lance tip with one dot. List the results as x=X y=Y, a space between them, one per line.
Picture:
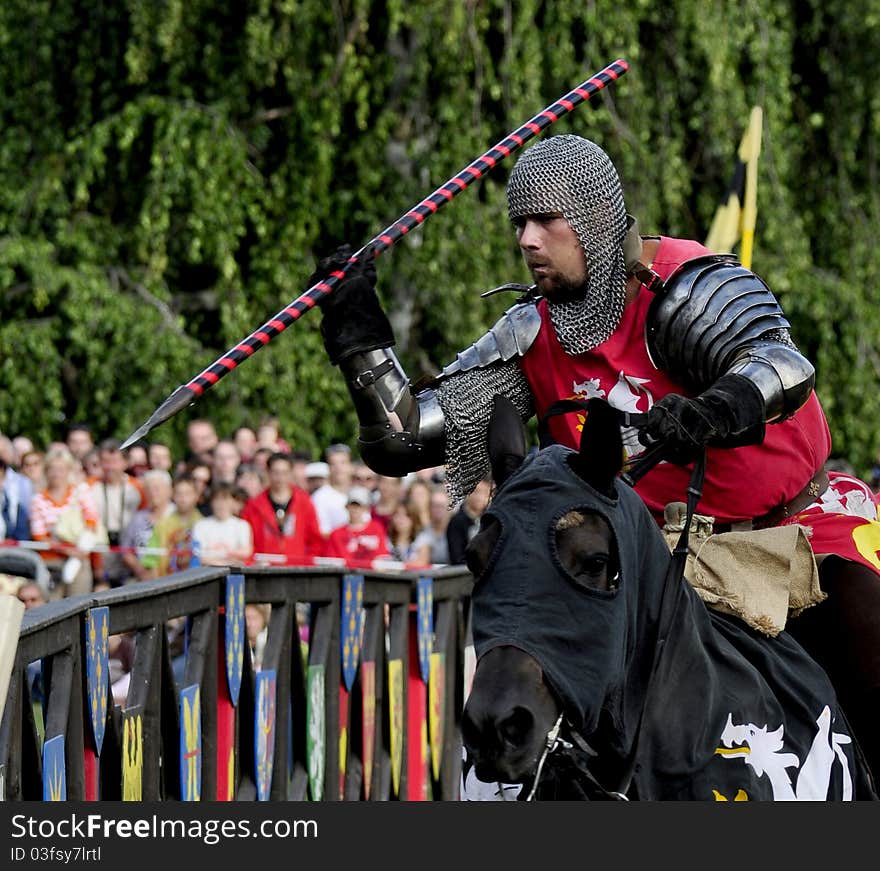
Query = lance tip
x=182 y=397
x=137 y=435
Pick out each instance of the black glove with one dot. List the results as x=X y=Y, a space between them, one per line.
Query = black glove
x=353 y=319
x=729 y=414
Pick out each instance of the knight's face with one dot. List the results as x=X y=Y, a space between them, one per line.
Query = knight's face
x=553 y=254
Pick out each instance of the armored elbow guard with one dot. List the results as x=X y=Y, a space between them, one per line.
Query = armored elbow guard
x=714 y=317
x=399 y=432
x=781 y=373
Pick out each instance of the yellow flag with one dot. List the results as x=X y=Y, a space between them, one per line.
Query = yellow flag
x=736 y=216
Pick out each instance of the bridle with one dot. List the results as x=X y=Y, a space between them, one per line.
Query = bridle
x=576 y=751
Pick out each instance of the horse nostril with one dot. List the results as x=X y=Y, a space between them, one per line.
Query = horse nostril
x=516 y=728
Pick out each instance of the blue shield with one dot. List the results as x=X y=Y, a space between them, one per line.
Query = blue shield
x=98 y=669
x=190 y=744
x=54 y=770
x=350 y=634
x=426 y=625
x=264 y=732
x=234 y=633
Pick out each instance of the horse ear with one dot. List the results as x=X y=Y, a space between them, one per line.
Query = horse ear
x=508 y=445
x=600 y=458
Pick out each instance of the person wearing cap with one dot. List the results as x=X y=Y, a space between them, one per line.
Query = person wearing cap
x=330 y=498
x=316 y=476
x=362 y=539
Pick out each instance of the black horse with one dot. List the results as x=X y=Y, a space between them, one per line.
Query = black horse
x=590 y=683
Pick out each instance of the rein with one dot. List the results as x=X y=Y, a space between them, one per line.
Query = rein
x=668 y=601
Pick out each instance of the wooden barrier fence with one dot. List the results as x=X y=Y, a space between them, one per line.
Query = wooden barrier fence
x=358 y=695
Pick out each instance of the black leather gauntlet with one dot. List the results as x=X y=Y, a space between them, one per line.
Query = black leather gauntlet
x=353 y=320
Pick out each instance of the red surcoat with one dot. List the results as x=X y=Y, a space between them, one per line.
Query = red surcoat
x=741 y=483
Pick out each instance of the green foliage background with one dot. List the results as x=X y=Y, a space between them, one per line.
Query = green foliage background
x=170 y=170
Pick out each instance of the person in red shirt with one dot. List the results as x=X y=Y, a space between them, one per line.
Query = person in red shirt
x=362 y=539
x=283 y=518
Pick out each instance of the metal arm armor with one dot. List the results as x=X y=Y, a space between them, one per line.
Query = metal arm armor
x=783 y=375
x=402 y=430
x=399 y=431
x=712 y=317
x=511 y=336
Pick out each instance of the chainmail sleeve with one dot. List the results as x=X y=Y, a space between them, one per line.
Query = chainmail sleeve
x=466 y=401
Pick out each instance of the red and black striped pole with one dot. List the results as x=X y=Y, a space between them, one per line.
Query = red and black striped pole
x=187 y=393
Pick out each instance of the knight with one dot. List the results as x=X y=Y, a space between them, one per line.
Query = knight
x=693 y=341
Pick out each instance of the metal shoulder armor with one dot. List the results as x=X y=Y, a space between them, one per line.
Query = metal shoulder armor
x=511 y=336
x=713 y=316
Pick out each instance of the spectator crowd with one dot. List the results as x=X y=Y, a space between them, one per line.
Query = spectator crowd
x=96 y=517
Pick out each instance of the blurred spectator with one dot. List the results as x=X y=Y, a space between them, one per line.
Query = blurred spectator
x=157 y=488
x=431 y=475
x=269 y=435
x=16 y=494
x=223 y=539
x=875 y=475
x=282 y=517
x=330 y=499
x=173 y=533
x=91 y=465
x=200 y=473
x=361 y=539
x=386 y=498
x=137 y=460
x=32 y=467
x=21 y=444
x=66 y=503
x=118 y=497
x=363 y=476
x=431 y=544
x=251 y=479
x=403 y=529
x=465 y=523
x=256 y=618
x=301 y=460
x=316 y=476
x=226 y=460
x=417 y=496
x=246 y=441
x=7 y=451
x=31 y=595
x=159 y=456
x=261 y=457
x=201 y=439
x=121 y=649
x=79 y=440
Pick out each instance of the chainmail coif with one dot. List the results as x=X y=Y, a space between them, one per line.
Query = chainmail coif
x=573 y=176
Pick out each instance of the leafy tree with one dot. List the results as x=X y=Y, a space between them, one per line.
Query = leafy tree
x=170 y=171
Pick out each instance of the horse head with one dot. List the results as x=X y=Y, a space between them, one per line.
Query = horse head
x=555 y=593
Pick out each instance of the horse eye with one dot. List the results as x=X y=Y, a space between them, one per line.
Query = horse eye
x=594 y=565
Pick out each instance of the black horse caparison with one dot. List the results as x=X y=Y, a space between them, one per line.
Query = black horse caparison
x=569 y=570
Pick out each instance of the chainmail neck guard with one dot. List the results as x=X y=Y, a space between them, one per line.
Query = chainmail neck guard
x=573 y=176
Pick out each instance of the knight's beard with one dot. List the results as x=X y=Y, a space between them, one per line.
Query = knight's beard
x=558 y=289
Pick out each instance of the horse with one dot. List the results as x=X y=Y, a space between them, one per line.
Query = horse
x=591 y=683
